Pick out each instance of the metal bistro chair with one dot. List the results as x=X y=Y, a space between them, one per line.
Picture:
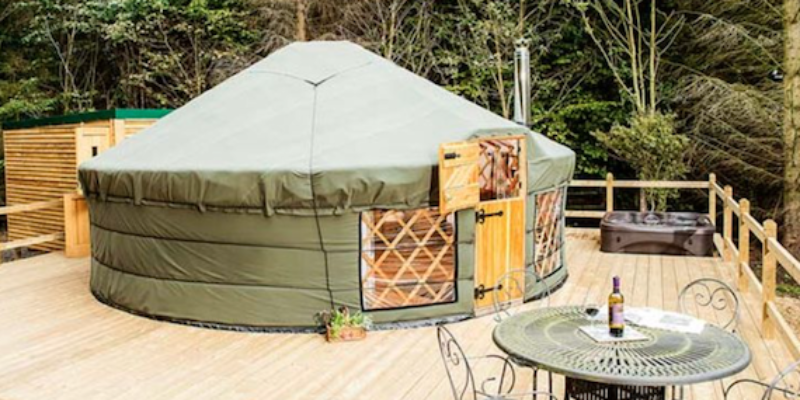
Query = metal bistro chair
x=714 y=295
x=461 y=375
x=785 y=386
x=512 y=285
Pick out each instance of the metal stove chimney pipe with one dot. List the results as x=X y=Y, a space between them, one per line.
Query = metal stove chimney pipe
x=522 y=83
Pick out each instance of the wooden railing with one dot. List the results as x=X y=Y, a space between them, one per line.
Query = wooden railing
x=27 y=242
x=610 y=184
x=737 y=252
x=75 y=234
x=774 y=255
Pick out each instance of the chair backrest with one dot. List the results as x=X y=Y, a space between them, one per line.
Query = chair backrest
x=459 y=372
x=786 y=385
x=512 y=285
x=499 y=378
x=713 y=296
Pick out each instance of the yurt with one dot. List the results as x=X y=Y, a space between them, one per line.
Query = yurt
x=323 y=176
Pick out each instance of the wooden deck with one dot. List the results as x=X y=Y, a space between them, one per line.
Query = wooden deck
x=57 y=342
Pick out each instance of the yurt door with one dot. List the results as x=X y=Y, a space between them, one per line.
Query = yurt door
x=490 y=176
x=500 y=248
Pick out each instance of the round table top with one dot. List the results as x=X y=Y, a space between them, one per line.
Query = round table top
x=550 y=338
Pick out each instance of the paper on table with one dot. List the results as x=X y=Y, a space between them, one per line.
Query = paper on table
x=667 y=320
x=658 y=319
x=601 y=334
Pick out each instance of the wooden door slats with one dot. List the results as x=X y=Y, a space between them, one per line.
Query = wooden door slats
x=458 y=176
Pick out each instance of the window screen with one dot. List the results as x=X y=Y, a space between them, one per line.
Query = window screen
x=407 y=258
x=499 y=169
x=548 y=231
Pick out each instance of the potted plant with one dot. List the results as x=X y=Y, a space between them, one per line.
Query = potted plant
x=341 y=325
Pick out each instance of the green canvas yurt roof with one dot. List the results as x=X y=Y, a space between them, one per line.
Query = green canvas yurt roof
x=318 y=127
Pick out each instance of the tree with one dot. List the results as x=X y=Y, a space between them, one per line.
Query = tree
x=403 y=31
x=68 y=28
x=168 y=52
x=633 y=48
x=21 y=78
x=653 y=148
x=727 y=104
x=791 y=124
x=60 y=56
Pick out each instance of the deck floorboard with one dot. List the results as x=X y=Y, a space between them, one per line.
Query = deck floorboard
x=57 y=341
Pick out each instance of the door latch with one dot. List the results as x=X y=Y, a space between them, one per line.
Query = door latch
x=481 y=290
x=481 y=215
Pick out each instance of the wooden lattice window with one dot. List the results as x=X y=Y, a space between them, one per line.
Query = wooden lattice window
x=499 y=168
x=549 y=235
x=408 y=258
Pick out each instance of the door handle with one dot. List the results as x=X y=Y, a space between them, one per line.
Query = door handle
x=481 y=290
x=480 y=216
x=451 y=156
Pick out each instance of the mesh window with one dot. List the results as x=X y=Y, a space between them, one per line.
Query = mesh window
x=499 y=173
x=548 y=237
x=407 y=258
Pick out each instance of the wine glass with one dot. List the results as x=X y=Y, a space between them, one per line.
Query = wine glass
x=591 y=308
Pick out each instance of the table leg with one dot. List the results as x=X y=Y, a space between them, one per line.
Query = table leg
x=535 y=383
x=677 y=393
x=578 y=389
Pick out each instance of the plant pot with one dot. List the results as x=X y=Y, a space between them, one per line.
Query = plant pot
x=346 y=334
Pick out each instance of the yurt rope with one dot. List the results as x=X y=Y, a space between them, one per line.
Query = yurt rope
x=314 y=200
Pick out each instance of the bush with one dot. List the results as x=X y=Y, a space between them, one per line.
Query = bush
x=653 y=148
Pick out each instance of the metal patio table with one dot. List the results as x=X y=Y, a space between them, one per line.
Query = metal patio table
x=550 y=339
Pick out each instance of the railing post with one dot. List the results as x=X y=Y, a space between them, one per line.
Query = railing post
x=643 y=200
x=76 y=226
x=712 y=198
x=744 y=246
x=727 y=223
x=768 y=278
x=609 y=192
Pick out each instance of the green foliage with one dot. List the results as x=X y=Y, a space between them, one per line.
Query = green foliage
x=337 y=319
x=575 y=95
x=60 y=56
x=573 y=89
x=788 y=290
x=723 y=97
x=24 y=98
x=477 y=60
x=174 y=50
x=125 y=53
x=570 y=125
x=651 y=145
x=22 y=91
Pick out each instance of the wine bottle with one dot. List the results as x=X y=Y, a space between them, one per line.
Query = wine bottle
x=616 y=319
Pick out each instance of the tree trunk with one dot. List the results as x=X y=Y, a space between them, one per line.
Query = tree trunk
x=302 y=13
x=791 y=86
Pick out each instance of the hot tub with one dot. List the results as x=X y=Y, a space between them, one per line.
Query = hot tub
x=680 y=233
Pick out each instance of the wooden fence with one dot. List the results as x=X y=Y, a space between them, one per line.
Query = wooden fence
x=76 y=225
x=737 y=252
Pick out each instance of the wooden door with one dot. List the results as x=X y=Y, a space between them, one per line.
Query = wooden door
x=489 y=175
x=92 y=140
x=500 y=221
x=458 y=176
x=500 y=248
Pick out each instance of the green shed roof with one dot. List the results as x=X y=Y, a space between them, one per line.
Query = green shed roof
x=115 y=113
